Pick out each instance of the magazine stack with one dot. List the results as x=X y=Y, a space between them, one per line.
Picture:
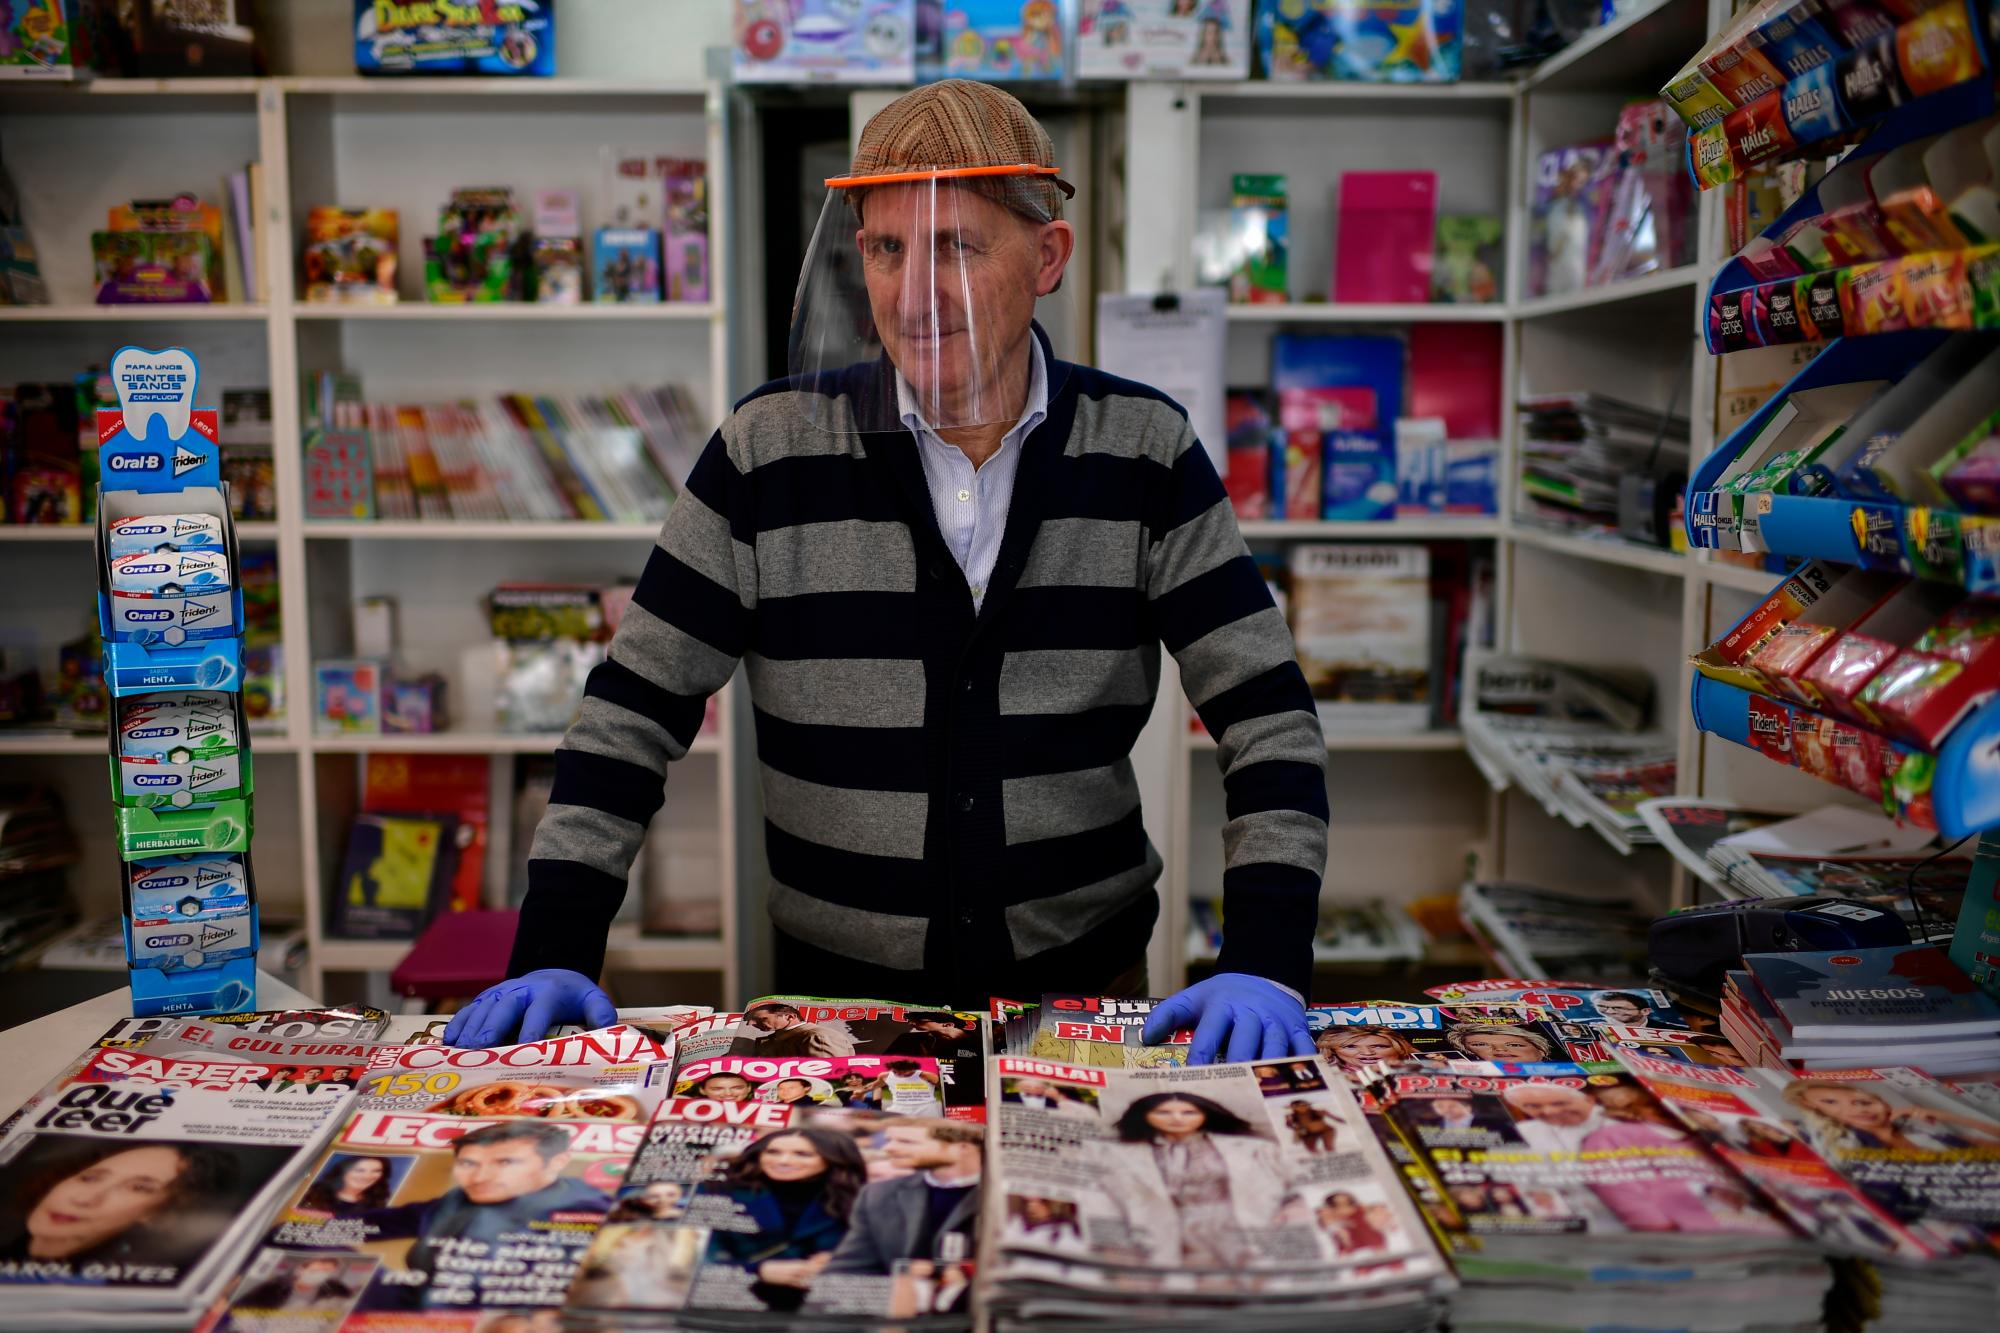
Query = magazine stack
x=1887 y=1165
x=1533 y=932
x=1906 y=1004
x=135 y=1179
x=1572 y=738
x=1174 y=1196
x=1572 y=1201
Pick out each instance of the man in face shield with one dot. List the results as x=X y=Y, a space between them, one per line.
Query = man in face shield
x=948 y=561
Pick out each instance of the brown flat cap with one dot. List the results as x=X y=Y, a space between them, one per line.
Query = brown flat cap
x=963 y=123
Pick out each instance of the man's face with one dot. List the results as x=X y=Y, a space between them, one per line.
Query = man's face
x=497 y=1172
x=771 y=1020
x=937 y=1029
x=1621 y=1011
x=911 y=1148
x=724 y=1088
x=1552 y=1105
x=1451 y=1108
x=952 y=280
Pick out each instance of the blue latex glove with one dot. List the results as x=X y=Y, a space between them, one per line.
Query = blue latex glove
x=1235 y=1016
x=537 y=1002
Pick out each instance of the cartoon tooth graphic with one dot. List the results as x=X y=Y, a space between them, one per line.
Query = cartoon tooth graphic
x=155 y=384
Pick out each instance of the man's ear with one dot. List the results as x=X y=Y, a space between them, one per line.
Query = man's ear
x=1053 y=248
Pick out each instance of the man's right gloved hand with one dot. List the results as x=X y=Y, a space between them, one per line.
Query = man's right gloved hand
x=537 y=1002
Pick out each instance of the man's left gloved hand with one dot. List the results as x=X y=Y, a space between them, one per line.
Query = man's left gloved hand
x=1235 y=1016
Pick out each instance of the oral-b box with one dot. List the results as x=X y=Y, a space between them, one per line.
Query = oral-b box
x=160 y=460
x=142 y=669
x=172 y=944
x=225 y=988
x=163 y=782
x=187 y=887
x=146 y=832
x=179 y=726
x=163 y=532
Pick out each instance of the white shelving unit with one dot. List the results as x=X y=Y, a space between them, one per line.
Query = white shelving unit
x=400 y=144
x=1407 y=809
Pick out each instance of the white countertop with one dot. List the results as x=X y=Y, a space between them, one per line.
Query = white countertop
x=35 y=1052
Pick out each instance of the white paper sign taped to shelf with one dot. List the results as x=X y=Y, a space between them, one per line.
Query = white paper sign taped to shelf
x=1174 y=342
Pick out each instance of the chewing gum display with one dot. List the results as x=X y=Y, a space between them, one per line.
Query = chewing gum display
x=191 y=886
x=163 y=532
x=171 y=944
x=171 y=615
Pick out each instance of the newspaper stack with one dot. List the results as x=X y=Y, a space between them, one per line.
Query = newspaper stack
x=1533 y=932
x=1571 y=739
x=139 y=1177
x=1179 y=1197
x=1834 y=851
x=1574 y=1201
x=1576 y=448
x=1886 y=1165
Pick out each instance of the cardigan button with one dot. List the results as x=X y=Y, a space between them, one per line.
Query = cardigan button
x=964 y=804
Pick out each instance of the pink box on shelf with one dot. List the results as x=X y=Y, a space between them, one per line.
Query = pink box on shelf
x=1383 y=236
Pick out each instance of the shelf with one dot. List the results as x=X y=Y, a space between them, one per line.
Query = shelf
x=1634 y=55
x=1687 y=277
x=83 y=532
x=93 y=87
x=160 y=312
x=445 y=529
x=1469 y=528
x=1330 y=312
x=469 y=742
x=482 y=312
x=625 y=949
x=355 y=85
x=1443 y=740
x=48 y=744
x=1336 y=90
x=1608 y=551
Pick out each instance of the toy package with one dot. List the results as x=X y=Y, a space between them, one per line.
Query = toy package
x=684 y=193
x=557 y=248
x=1006 y=40
x=1258 y=271
x=137 y=267
x=489 y=37
x=475 y=254
x=825 y=41
x=1384 y=232
x=186 y=216
x=347 y=697
x=1467 y=261
x=627 y=264
x=1560 y=220
x=350 y=255
x=1163 y=39
x=549 y=638
x=1388 y=41
x=35 y=41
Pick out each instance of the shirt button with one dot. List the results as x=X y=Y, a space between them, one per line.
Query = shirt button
x=964 y=804
x=968 y=687
x=965 y=919
x=964 y=496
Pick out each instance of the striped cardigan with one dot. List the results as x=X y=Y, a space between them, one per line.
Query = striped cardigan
x=950 y=804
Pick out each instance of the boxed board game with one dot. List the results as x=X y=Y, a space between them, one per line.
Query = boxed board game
x=35 y=41
x=1006 y=41
x=1361 y=616
x=492 y=37
x=627 y=264
x=824 y=41
x=1157 y=39
x=475 y=255
x=1382 y=41
x=350 y=255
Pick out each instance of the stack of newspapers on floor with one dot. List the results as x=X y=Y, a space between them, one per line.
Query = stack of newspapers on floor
x=1835 y=851
x=1572 y=738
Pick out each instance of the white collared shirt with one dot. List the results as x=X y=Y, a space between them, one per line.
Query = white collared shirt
x=971 y=504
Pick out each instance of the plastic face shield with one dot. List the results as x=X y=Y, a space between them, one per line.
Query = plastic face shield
x=917 y=298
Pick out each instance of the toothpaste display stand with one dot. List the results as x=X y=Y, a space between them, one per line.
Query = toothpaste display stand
x=170 y=609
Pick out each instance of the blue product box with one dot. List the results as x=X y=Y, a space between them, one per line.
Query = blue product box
x=1369 y=41
x=187 y=887
x=515 y=37
x=1360 y=480
x=138 y=668
x=189 y=944
x=1335 y=361
x=230 y=988
x=1472 y=478
x=626 y=265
